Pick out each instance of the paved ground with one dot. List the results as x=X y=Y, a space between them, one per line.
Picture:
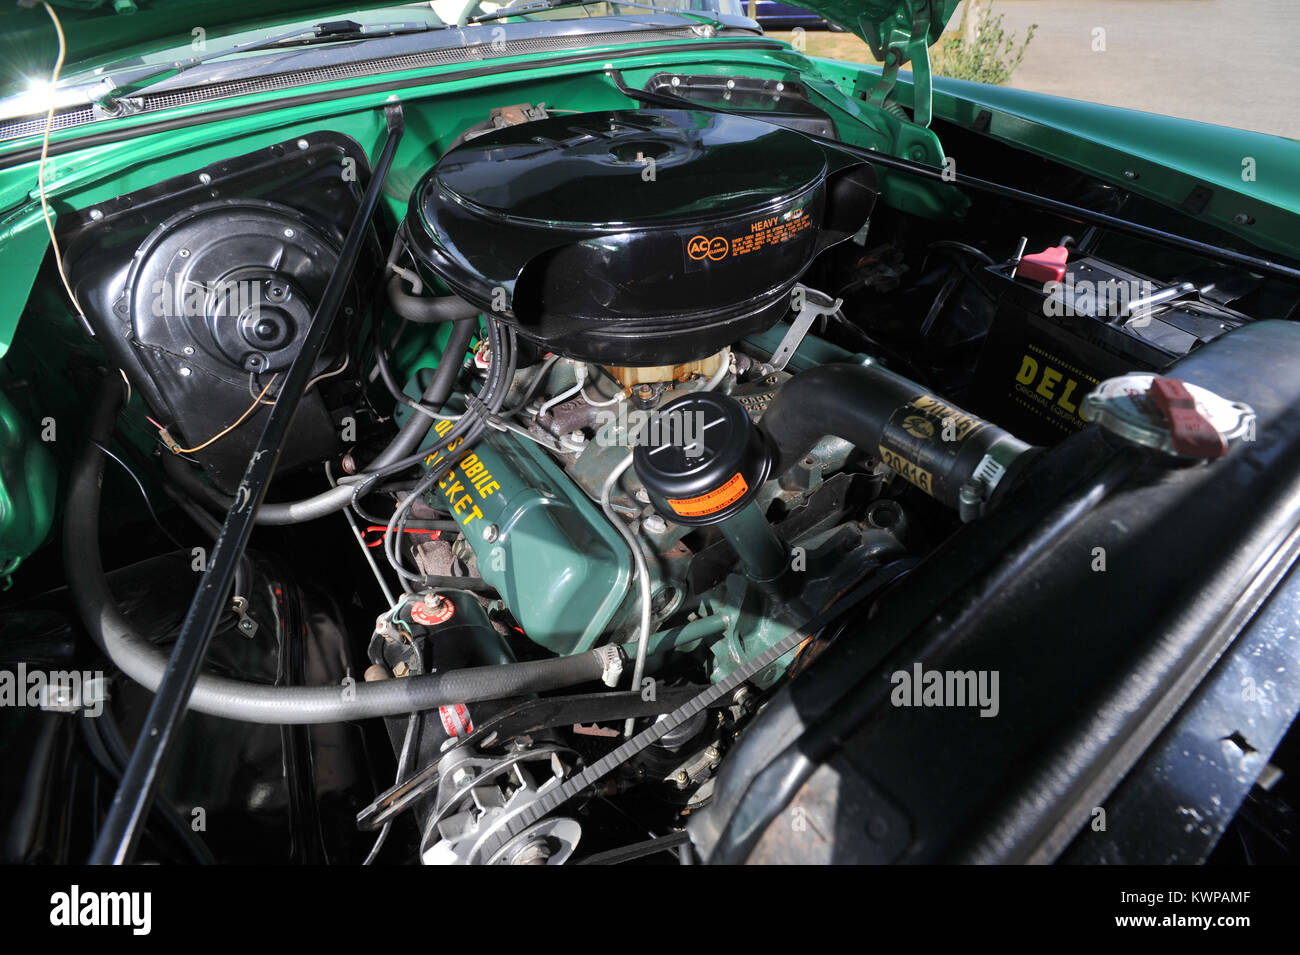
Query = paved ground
x=1230 y=62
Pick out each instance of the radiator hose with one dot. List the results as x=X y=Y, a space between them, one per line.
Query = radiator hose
x=234 y=699
x=953 y=456
x=428 y=310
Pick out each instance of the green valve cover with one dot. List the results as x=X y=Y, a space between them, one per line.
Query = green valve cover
x=561 y=568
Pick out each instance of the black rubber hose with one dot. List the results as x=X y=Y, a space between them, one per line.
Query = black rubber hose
x=390 y=381
x=424 y=310
x=409 y=437
x=933 y=444
x=233 y=699
x=853 y=402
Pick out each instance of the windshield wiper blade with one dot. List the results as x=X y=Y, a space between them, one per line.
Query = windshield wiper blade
x=523 y=7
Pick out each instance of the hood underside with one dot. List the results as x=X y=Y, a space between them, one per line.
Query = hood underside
x=98 y=29
x=886 y=24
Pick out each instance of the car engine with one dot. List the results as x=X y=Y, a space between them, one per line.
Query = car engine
x=638 y=416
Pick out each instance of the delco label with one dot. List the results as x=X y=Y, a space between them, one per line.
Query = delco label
x=467 y=485
x=1051 y=388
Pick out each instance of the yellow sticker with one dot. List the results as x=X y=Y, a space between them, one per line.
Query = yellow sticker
x=955 y=425
x=913 y=473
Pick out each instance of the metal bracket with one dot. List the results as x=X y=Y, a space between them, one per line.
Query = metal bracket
x=813 y=305
x=247 y=625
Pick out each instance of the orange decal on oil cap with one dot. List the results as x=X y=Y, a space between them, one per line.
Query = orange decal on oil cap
x=716 y=500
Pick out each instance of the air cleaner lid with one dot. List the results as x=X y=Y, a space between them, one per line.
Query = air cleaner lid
x=635 y=237
x=626 y=168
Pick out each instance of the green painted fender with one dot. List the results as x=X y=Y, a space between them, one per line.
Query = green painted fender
x=29 y=481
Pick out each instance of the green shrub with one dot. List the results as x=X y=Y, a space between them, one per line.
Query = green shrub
x=991 y=57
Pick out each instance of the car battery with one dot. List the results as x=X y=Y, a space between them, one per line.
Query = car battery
x=1052 y=341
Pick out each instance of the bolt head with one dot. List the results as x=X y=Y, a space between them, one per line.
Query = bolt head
x=461 y=776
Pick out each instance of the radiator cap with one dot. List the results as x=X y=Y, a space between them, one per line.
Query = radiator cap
x=1170 y=415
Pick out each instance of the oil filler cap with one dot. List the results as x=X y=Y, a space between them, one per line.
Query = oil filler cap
x=701 y=459
x=1170 y=415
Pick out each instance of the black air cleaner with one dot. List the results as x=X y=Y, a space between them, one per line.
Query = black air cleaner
x=636 y=237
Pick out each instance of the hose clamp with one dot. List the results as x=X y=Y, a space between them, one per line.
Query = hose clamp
x=611 y=658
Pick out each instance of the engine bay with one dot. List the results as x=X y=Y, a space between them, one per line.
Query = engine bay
x=637 y=417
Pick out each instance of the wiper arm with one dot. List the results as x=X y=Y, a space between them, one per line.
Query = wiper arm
x=535 y=6
x=120 y=80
